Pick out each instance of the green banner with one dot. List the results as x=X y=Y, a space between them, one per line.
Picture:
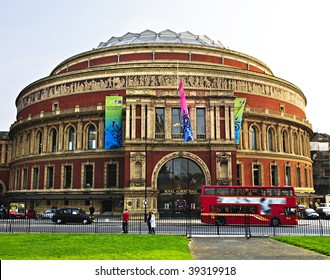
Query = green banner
x=113 y=122
x=238 y=113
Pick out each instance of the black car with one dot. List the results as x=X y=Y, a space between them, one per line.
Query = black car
x=324 y=212
x=310 y=214
x=71 y=215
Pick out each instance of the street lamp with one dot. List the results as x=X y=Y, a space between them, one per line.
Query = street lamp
x=145 y=202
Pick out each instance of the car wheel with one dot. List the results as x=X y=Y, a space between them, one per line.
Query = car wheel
x=58 y=221
x=275 y=222
x=220 y=221
x=85 y=222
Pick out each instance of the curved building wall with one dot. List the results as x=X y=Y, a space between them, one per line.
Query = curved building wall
x=58 y=154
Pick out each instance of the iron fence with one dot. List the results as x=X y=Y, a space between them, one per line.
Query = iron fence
x=185 y=225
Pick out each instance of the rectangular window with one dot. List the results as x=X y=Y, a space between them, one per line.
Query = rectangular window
x=288 y=175
x=176 y=124
x=17 y=179
x=274 y=175
x=200 y=123
x=24 y=180
x=50 y=177
x=256 y=175
x=239 y=174
x=111 y=175
x=88 y=179
x=67 y=176
x=35 y=178
x=160 y=123
x=298 y=177
x=306 y=177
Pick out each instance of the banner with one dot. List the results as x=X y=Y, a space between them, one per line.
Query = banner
x=238 y=114
x=186 y=125
x=113 y=122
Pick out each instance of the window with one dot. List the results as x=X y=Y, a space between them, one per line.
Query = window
x=35 y=178
x=88 y=175
x=24 y=180
x=271 y=138
x=176 y=124
x=50 y=177
x=285 y=143
x=288 y=175
x=256 y=175
x=274 y=175
x=239 y=174
x=253 y=138
x=53 y=135
x=39 y=142
x=91 y=134
x=111 y=175
x=200 y=123
x=160 y=123
x=298 y=177
x=71 y=136
x=67 y=180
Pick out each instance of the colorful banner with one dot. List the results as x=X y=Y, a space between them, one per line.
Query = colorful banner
x=186 y=125
x=113 y=122
x=238 y=114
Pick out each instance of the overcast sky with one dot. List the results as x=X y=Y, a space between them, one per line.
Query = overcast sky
x=291 y=37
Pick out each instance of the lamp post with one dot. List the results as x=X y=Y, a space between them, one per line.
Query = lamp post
x=145 y=202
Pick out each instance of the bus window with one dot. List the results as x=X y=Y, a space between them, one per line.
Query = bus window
x=263 y=192
x=247 y=192
x=256 y=192
x=276 y=192
x=238 y=191
x=209 y=191
x=222 y=191
x=286 y=192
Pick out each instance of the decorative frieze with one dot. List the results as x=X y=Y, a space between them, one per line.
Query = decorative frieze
x=191 y=82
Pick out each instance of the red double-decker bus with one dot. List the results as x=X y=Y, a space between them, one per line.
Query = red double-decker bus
x=255 y=205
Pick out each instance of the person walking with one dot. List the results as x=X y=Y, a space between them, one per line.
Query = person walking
x=149 y=222
x=91 y=211
x=125 y=218
x=153 y=223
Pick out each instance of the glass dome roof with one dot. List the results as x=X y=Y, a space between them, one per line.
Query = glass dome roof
x=166 y=36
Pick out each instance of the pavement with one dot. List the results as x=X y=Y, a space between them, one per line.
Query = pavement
x=254 y=248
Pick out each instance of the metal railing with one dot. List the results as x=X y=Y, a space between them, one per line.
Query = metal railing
x=185 y=225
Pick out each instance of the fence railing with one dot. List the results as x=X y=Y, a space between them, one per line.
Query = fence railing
x=190 y=226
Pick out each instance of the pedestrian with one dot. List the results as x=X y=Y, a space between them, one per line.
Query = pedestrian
x=149 y=222
x=91 y=211
x=125 y=218
x=3 y=212
x=153 y=223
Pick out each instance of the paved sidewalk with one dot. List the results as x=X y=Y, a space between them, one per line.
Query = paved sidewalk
x=255 y=248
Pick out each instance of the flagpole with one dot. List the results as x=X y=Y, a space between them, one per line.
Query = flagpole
x=177 y=74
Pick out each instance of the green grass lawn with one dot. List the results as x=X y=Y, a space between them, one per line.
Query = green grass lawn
x=93 y=247
x=118 y=246
x=320 y=244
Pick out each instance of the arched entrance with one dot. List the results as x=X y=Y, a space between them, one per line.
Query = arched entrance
x=179 y=180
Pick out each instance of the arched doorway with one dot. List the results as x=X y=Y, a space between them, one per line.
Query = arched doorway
x=179 y=181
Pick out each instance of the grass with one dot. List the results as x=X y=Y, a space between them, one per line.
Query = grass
x=319 y=244
x=118 y=246
x=93 y=247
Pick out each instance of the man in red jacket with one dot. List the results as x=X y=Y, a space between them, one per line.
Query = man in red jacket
x=125 y=217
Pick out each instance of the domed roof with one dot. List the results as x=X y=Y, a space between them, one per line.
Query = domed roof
x=166 y=36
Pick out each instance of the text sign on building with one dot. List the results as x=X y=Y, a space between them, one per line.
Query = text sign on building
x=113 y=122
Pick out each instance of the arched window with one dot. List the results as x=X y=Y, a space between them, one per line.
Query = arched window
x=71 y=137
x=295 y=143
x=39 y=142
x=271 y=139
x=253 y=138
x=91 y=135
x=53 y=135
x=285 y=142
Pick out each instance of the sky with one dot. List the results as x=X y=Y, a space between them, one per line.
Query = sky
x=290 y=37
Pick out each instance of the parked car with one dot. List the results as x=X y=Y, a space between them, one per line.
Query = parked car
x=71 y=215
x=324 y=212
x=310 y=214
x=324 y=204
x=29 y=214
x=48 y=214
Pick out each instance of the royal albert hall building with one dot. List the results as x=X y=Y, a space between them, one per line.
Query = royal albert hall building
x=58 y=156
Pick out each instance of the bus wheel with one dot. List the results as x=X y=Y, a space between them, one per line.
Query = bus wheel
x=220 y=221
x=275 y=222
